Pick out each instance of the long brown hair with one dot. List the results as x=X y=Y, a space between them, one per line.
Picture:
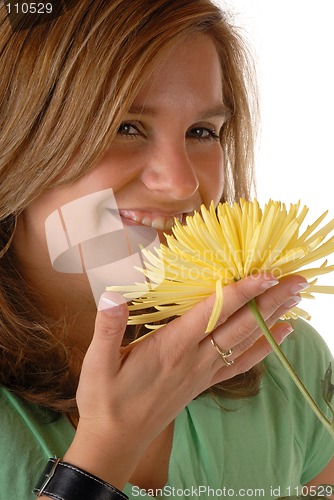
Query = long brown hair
x=65 y=87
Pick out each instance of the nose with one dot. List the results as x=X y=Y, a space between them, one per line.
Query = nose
x=171 y=172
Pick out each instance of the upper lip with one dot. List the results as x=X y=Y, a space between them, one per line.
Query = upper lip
x=156 y=211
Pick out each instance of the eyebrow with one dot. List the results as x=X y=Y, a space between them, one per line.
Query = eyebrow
x=215 y=111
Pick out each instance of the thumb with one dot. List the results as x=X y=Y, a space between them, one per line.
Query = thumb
x=110 y=324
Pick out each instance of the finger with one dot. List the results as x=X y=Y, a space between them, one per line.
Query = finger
x=241 y=329
x=263 y=303
x=270 y=322
x=278 y=315
x=192 y=325
x=269 y=301
x=294 y=285
x=281 y=328
x=254 y=355
x=104 y=352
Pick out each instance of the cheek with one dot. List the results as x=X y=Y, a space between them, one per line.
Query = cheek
x=211 y=176
x=33 y=217
x=117 y=166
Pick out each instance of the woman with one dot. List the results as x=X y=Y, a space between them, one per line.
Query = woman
x=146 y=104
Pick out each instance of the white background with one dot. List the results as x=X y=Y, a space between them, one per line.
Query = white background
x=293 y=42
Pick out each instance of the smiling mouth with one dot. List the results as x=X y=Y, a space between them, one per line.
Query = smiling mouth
x=160 y=222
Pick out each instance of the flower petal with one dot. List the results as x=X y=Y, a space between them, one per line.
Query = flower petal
x=217 y=308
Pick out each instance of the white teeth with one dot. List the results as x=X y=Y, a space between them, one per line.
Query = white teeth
x=169 y=224
x=159 y=223
x=146 y=222
x=136 y=218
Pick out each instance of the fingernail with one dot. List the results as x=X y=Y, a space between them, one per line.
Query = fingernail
x=109 y=302
x=292 y=302
x=299 y=287
x=268 y=284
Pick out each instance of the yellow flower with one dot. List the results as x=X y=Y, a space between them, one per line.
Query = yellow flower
x=219 y=246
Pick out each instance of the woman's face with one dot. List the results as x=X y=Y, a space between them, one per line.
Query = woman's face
x=165 y=161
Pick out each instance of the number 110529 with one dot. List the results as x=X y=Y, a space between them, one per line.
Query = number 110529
x=29 y=8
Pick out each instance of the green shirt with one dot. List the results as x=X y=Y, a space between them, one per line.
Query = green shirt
x=265 y=446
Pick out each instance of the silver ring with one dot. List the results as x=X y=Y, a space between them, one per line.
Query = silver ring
x=223 y=354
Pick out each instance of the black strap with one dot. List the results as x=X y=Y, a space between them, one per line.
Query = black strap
x=63 y=481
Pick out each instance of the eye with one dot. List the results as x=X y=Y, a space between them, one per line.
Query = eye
x=128 y=129
x=203 y=134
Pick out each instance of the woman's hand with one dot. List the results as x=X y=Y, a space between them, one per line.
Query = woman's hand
x=127 y=396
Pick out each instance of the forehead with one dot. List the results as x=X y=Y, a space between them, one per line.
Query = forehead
x=190 y=71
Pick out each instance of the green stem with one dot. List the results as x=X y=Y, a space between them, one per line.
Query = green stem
x=284 y=360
